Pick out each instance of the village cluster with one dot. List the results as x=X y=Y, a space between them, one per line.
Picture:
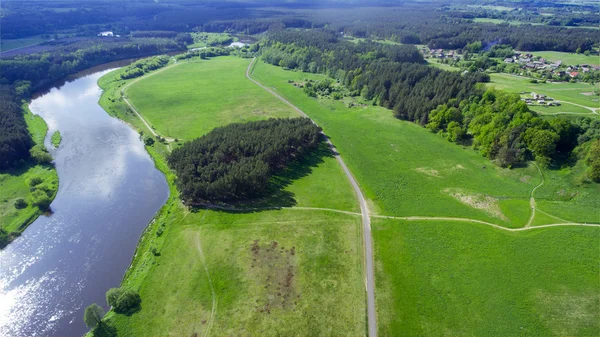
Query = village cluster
x=540 y=99
x=530 y=62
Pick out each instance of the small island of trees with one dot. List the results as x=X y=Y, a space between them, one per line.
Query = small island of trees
x=235 y=162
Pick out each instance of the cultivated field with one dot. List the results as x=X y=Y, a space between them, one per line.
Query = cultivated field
x=295 y=271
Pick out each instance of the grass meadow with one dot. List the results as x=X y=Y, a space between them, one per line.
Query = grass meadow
x=569 y=58
x=286 y=272
x=13 y=183
x=10 y=44
x=436 y=278
x=578 y=93
x=192 y=98
x=289 y=273
x=453 y=279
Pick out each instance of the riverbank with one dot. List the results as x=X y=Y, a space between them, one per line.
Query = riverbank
x=17 y=209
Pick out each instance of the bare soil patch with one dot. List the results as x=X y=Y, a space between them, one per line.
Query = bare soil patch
x=478 y=201
x=275 y=267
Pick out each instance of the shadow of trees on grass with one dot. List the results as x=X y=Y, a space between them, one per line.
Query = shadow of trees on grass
x=277 y=196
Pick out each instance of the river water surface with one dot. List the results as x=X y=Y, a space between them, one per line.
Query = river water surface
x=109 y=190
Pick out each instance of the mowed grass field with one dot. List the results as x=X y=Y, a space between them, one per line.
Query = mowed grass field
x=13 y=183
x=292 y=272
x=191 y=99
x=453 y=279
x=578 y=93
x=569 y=58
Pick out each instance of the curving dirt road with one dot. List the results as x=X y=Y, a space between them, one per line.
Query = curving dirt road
x=364 y=210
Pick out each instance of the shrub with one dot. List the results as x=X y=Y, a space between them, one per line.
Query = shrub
x=20 y=203
x=112 y=295
x=41 y=199
x=123 y=300
x=128 y=301
x=34 y=181
x=93 y=315
x=40 y=155
x=148 y=141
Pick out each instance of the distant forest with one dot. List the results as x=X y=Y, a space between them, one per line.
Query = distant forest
x=434 y=24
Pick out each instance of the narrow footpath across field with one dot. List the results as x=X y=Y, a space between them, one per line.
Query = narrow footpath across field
x=366 y=221
x=169 y=140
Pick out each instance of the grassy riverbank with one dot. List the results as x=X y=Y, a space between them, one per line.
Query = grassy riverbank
x=294 y=271
x=16 y=184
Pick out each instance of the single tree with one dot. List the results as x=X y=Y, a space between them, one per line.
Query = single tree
x=93 y=315
x=112 y=295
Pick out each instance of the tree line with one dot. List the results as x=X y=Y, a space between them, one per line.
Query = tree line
x=235 y=162
x=140 y=67
x=15 y=140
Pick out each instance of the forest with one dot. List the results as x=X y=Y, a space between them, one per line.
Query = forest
x=15 y=140
x=393 y=76
x=235 y=162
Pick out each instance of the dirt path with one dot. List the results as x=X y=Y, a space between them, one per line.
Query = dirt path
x=366 y=221
x=169 y=140
x=212 y=288
x=532 y=198
x=593 y=110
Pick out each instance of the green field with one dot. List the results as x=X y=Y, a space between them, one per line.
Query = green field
x=10 y=44
x=452 y=279
x=438 y=278
x=260 y=286
x=566 y=93
x=400 y=178
x=316 y=290
x=193 y=98
x=13 y=183
x=205 y=276
x=568 y=58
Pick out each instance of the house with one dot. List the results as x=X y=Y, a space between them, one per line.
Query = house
x=508 y=60
x=541 y=102
x=105 y=34
x=573 y=74
x=585 y=69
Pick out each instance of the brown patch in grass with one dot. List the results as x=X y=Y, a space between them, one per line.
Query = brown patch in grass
x=478 y=201
x=275 y=267
x=428 y=171
x=525 y=179
x=568 y=314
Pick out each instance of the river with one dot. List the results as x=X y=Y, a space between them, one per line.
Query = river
x=109 y=191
